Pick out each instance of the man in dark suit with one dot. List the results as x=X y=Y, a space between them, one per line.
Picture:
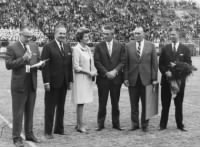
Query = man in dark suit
x=57 y=75
x=109 y=58
x=20 y=56
x=172 y=53
x=140 y=70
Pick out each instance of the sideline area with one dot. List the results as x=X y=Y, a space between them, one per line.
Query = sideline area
x=108 y=137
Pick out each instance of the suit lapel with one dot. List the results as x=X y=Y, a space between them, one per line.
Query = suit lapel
x=174 y=54
x=106 y=49
x=20 y=48
x=144 y=50
x=114 y=46
x=179 y=48
x=57 y=49
x=135 y=51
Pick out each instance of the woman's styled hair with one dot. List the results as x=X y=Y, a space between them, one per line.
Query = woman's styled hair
x=80 y=33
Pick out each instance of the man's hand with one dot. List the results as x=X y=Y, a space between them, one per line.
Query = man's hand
x=111 y=74
x=126 y=83
x=168 y=74
x=154 y=83
x=172 y=64
x=114 y=72
x=47 y=87
x=27 y=56
x=43 y=63
x=93 y=74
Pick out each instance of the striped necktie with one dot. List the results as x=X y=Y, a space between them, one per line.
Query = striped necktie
x=61 y=48
x=139 y=49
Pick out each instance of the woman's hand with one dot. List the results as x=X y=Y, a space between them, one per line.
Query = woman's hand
x=93 y=73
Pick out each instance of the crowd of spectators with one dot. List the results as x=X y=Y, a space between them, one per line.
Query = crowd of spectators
x=13 y=15
x=124 y=15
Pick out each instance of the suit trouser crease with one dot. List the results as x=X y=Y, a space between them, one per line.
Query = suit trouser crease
x=103 y=91
x=54 y=103
x=136 y=93
x=166 y=100
x=23 y=103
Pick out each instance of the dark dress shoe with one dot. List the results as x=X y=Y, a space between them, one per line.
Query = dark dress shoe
x=32 y=138
x=99 y=128
x=49 y=136
x=145 y=129
x=59 y=133
x=182 y=129
x=18 y=142
x=162 y=128
x=134 y=128
x=117 y=128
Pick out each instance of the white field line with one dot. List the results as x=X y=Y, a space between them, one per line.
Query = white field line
x=22 y=135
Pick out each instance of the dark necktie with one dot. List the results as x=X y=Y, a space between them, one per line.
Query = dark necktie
x=25 y=48
x=139 y=49
x=62 y=49
x=174 y=48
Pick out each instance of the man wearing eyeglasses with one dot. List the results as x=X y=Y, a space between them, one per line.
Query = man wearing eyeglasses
x=20 y=56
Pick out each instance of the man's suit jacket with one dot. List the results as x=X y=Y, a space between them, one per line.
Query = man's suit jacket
x=16 y=63
x=105 y=63
x=167 y=55
x=59 y=68
x=146 y=66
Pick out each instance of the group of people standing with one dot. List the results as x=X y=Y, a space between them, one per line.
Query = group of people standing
x=135 y=64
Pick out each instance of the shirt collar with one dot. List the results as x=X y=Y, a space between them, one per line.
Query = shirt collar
x=22 y=43
x=58 y=43
x=111 y=42
x=176 y=44
x=141 y=42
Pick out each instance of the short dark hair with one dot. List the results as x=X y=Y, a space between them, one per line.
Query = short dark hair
x=80 y=34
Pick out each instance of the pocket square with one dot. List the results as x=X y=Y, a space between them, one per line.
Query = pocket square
x=69 y=54
x=181 y=54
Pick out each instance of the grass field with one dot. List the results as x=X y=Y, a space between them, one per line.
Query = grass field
x=108 y=137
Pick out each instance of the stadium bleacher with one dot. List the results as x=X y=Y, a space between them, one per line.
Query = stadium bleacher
x=43 y=15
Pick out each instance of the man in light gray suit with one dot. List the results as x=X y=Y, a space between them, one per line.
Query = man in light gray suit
x=20 y=56
x=140 y=70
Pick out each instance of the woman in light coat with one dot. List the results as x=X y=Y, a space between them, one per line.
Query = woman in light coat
x=84 y=74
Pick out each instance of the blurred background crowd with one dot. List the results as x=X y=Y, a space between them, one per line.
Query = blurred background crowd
x=156 y=16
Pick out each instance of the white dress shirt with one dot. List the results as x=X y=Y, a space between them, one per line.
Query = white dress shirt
x=176 y=45
x=109 y=46
x=59 y=45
